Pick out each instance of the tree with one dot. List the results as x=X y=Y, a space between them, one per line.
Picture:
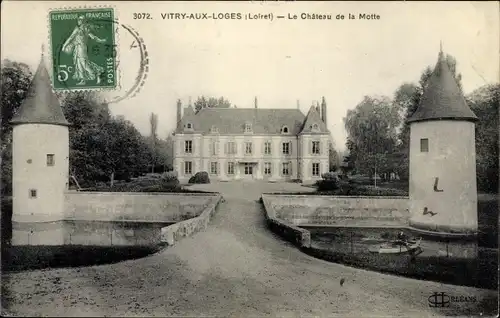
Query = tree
x=153 y=122
x=15 y=81
x=102 y=147
x=372 y=132
x=349 y=160
x=169 y=151
x=333 y=156
x=211 y=102
x=484 y=101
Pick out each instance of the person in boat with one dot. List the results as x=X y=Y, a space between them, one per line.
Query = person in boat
x=402 y=236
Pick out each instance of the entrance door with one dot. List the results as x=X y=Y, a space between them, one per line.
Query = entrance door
x=248 y=170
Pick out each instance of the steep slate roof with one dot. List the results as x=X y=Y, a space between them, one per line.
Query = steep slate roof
x=41 y=105
x=313 y=117
x=233 y=120
x=442 y=98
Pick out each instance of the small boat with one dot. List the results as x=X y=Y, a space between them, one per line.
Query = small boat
x=397 y=247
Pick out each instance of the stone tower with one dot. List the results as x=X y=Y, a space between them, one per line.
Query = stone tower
x=40 y=156
x=443 y=195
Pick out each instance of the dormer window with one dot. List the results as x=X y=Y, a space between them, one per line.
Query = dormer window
x=314 y=127
x=189 y=126
x=284 y=130
x=248 y=128
x=214 y=130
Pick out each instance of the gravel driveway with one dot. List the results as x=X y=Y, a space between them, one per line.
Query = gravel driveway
x=237 y=267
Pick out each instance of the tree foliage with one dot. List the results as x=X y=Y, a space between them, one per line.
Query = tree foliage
x=484 y=102
x=211 y=102
x=333 y=157
x=372 y=134
x=102 y=146
x=15 y=80
x=153 y=139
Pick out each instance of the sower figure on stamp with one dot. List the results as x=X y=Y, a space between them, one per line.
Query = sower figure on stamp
x=85 y=69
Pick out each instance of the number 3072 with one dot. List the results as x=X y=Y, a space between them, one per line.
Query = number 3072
x=142 y=16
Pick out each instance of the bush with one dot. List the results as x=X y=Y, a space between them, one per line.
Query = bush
x=6 y=210
x=327 y=185
x=169 y=179
x=341 y=187
x=200 y=177
x=330 y=182
x=329 y=176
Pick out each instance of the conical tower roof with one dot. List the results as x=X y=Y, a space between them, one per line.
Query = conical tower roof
x=41 y=105
x=442 y=98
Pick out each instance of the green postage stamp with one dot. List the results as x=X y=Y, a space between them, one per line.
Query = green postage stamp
x=83 y=50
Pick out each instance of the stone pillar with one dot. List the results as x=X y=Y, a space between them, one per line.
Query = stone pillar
x=237 y=167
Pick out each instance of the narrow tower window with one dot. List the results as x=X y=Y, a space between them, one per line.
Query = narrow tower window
x=424 y=145
x=32 y=194
x=50 y=160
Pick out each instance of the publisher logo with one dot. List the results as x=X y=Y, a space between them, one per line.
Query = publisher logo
x=439 y=300
x=442 y=300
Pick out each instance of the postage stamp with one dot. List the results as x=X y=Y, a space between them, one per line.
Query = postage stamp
x=84 y=52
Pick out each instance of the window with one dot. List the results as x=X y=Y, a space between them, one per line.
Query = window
x=315 y=147
x=188 y=146
x=248 y=169
x=230 y=148
x=213 y=148
x=286 y=168
x=189 y=126
x=50 y=160
x=248 y=127
x=284 y=130
x=230 y=168
x=286 y=148
x=315 y=167
x=314 y=127
x=213 y=167
x=214 y=129
x=32 y=193
x=188 y=167
x=267 y=148
x=248 y=148
x=424 y=145
x=267 y=168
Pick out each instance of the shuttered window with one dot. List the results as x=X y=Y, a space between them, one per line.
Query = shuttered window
x=230 y=168
x=188 y=167
x=214 y=168
x=315 y=169
x=315 y=147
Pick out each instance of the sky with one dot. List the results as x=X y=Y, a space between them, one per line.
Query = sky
x=279 y=61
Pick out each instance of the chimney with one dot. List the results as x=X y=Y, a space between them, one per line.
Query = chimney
x=255 y=102
x=189 y=101
x=179 y=113
x=323 y=110
x=298 y=104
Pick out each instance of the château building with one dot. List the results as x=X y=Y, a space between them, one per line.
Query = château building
x=252 y=143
